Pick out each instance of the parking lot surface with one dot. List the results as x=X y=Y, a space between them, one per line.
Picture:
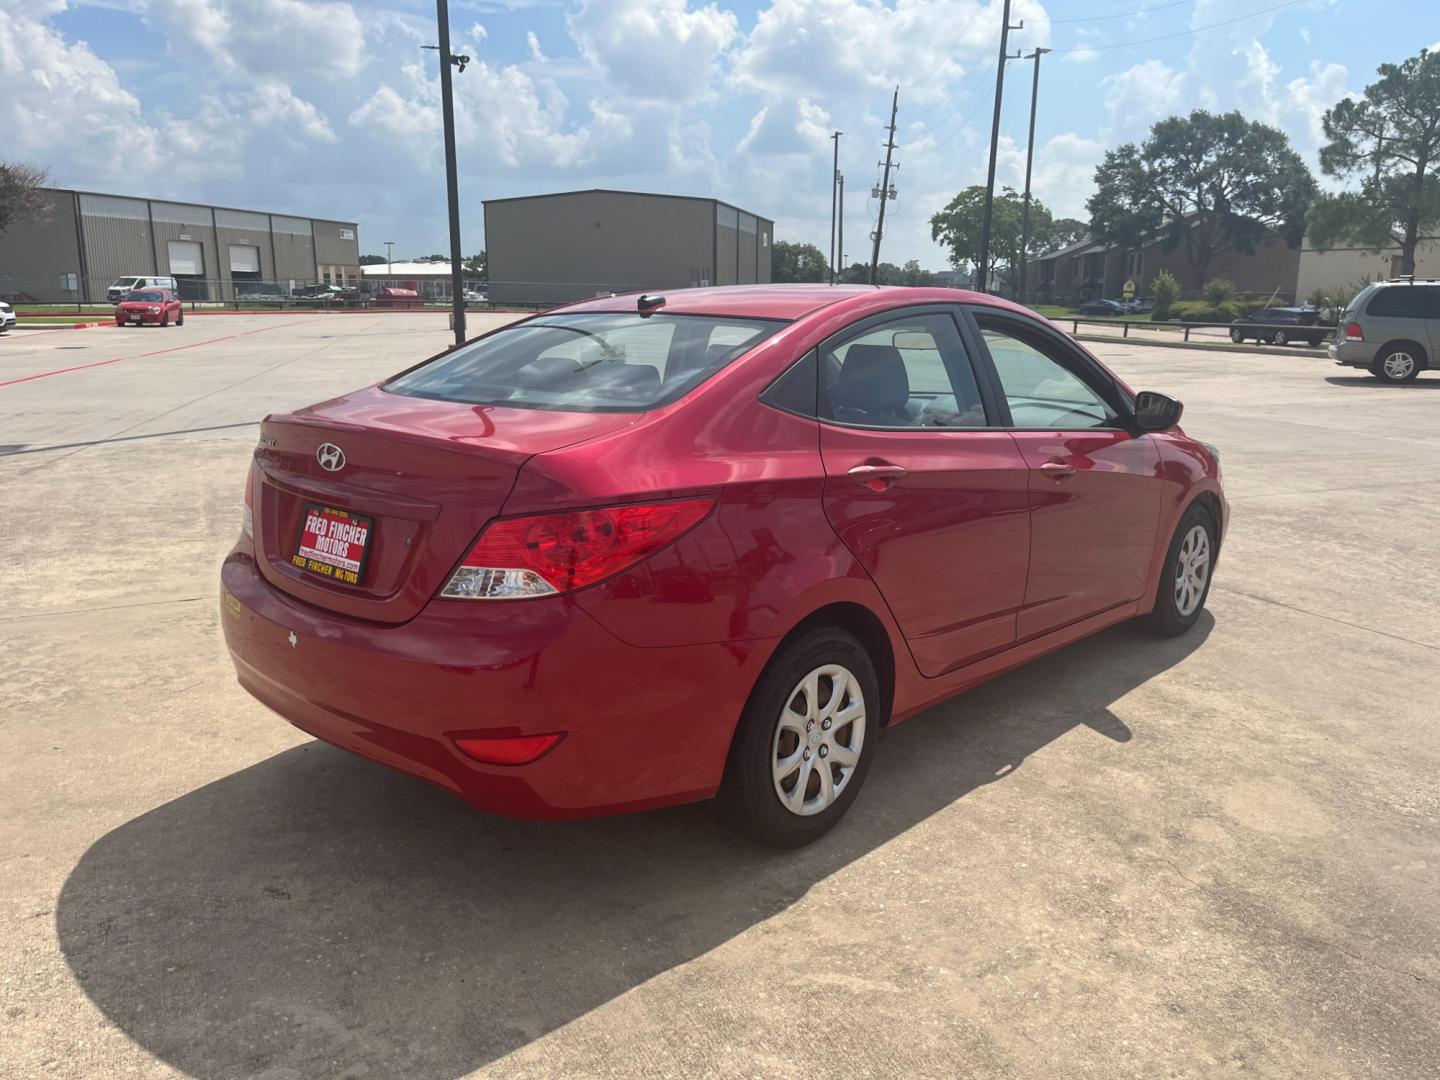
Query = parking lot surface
x=1136 y=858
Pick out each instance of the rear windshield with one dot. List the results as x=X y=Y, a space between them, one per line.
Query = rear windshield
x=603 y=362
x=146 y=297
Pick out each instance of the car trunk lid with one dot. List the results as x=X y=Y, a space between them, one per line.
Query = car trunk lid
x=420 y=477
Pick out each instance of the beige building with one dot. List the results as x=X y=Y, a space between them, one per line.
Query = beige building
x=1346 y=267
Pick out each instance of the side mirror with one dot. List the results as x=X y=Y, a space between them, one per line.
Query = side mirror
x=1156 y=412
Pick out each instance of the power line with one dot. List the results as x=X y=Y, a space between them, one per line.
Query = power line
x=1124 y=14
x=1182 y=33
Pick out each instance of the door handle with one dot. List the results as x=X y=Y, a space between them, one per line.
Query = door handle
x=1058 y=470
x=877 y=477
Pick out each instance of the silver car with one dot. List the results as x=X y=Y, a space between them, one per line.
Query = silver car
x=1392 y=329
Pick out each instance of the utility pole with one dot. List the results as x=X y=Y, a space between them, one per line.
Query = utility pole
x=834 y=179
x=983 y=266
x=1029 y=160
x=840 y=241
x=884 y=191
x=452 y=182
x=389 y=258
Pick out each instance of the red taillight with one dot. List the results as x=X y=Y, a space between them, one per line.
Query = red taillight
x=555 y=553
x=247 y=515
x=1354 y=333
x=519 y=750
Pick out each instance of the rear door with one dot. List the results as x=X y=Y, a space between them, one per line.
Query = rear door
x=1094 y=483
x=929 y=499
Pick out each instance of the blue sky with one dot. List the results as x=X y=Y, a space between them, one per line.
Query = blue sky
x=330 y=107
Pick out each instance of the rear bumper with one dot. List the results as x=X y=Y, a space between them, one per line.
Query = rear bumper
x=1352 y=353
x=644 y=727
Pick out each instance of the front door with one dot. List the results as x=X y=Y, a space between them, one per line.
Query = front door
x=1095 y=485
x=932 y=505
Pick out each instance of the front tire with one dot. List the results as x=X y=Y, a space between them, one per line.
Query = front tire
x=165 y=319
x=180 y=317
x=1237 y=337
x=805 y=740
x=1185 y=579
x=1280 y=338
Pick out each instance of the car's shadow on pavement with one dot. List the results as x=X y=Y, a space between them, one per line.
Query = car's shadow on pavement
x=315 y=911
x=1381 y=384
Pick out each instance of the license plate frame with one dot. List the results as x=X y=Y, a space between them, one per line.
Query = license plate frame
x=330 y=555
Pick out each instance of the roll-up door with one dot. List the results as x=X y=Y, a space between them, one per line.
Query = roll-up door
x=187 y=258
x=244 y=259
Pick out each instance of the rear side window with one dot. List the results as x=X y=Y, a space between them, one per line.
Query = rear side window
x=602 y=362
x=911 y=371
x=1406 y=302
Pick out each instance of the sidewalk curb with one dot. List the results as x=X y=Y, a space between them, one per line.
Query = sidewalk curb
x=1219 y=346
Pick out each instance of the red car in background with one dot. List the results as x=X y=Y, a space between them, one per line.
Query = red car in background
x=642 y=550
x=144 y=306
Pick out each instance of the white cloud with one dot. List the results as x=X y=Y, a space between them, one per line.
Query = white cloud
x=265 y=37
x=654 y=50
x=1137 y=97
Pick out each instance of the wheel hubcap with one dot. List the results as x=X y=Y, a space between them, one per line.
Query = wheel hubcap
x=1192 y=570
x=1399 y=364
x=818 y=740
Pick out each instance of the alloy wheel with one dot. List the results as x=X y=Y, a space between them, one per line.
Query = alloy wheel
x=1192 y=570
x=1399 y=365
x=818 y=740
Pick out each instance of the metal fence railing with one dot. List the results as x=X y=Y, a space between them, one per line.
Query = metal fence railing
x=1223 y=329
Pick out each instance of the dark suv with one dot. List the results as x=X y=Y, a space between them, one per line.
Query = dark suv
x=1280 y=326
x=1391 y=328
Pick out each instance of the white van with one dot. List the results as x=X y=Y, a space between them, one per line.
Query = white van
x=124 y=285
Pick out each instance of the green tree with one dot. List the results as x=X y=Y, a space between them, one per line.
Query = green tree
x=1205 y=182
x=957 y=228
x=911 y=274
x=1063 y=232
x=478 y=266
x=22 y=195
x=1390 y=137
x=797 y=262
x=373 y=260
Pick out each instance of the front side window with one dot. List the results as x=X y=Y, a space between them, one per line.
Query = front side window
x=1041 y=390
x=600 y=362
x=908 y=372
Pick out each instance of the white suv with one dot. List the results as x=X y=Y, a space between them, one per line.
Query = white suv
x=7 y=316
x=125 y=285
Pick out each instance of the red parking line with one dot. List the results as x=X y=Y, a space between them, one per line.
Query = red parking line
x=141 y=356
x=62 y=371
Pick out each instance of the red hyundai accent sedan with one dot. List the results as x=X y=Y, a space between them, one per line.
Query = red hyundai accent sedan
x=648 y=549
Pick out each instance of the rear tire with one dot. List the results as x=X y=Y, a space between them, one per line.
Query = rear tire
x=1398 y=363
x=1185 y=577
x=1237 y=337
x=816 y=707
x=1280 y=337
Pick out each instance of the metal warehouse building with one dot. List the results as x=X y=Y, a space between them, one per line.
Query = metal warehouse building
x=550 y=249
x=216 y=253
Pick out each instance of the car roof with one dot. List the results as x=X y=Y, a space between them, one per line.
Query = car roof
x=783 y=301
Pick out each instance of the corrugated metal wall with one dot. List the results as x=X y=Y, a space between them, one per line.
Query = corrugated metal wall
x=188 y=223
x=116 y=234
x=294 y=248
x=37 y=254
x=337 y=243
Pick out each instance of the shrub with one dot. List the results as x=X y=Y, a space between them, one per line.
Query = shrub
x=1165 y=289
x=1219 y=292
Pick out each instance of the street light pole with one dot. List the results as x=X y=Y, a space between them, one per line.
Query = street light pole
x=840 y=226
x=452 y=182
x=389 y=258
x=834 y=179
x=1029 y=160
